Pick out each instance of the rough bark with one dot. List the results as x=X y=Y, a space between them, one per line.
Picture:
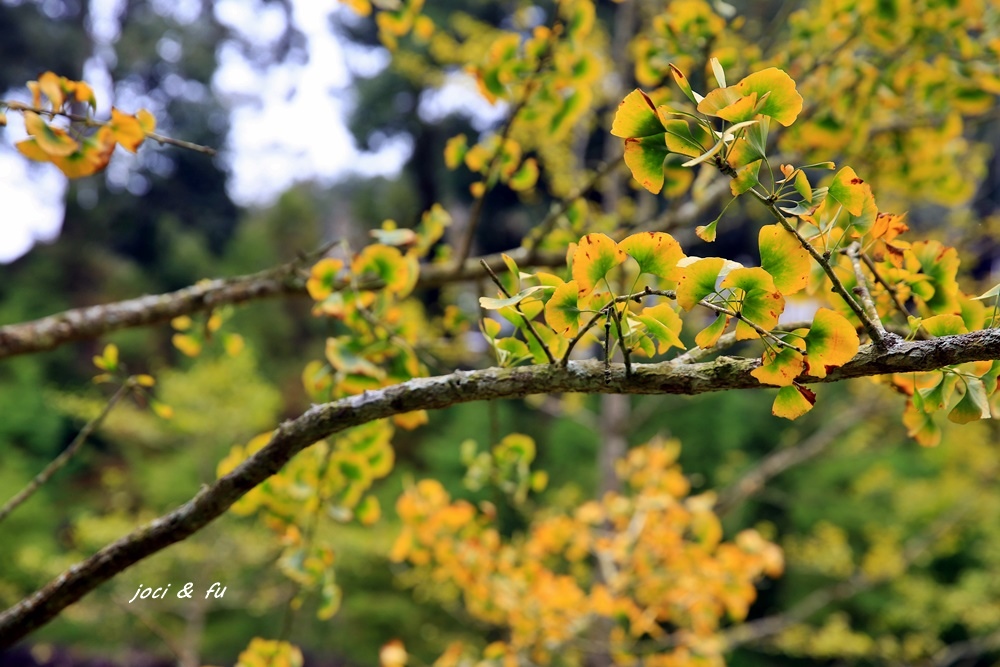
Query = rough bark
x=324 y=420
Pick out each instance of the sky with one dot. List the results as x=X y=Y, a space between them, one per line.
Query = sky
x=267 y=152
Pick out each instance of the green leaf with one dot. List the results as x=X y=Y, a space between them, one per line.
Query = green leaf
x=974 y=405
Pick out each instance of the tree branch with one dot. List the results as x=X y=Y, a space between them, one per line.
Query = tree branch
x=322 y=421
x=63 y=458
x=91 y=322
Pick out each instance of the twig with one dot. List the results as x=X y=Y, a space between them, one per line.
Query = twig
x=824 y=262
x=970 y=648
x=61 y=460
x=91 y=122
x=761 y=331
x=517 y=307
x=922 y=332
x=861 y=289
x=75 y=324
x=465 y=244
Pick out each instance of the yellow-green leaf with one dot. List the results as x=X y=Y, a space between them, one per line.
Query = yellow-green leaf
x=779 y=369
x=664 y=324
x=784 y=258
x=656 y=253
x=562 y=311
x=974 y=405
x=849 y=190
x=51 y=140
x=697 y=280
x=944 y=325
x=644 y=156
x=683 y=83
x=709 y=336
x=830 y=343
x=783 y=102
x=636 y=117
x=793 y=401
x=595 y=256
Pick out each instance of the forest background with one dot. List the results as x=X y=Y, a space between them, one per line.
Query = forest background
x=892 y=550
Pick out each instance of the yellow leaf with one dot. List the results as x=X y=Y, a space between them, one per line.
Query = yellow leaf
x=147 y=122
x=595 y=256
x=126 y=130
x=52 y=140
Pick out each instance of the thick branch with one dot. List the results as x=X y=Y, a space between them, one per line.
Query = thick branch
x=439 y=392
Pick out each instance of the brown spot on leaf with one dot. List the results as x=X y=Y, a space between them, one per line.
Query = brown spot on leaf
x=856 y=181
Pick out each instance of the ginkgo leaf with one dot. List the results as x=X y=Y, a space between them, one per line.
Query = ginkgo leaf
x=974 y=405
x=384 y=263
x=147 y=121
x=525 y=177
x=992 y=293
x=697 y=280
x=719 y=99
x=323 y=278
x=748 y=279
x=683 y=83
x=636 y=117
x=656 y=253
x=52 y=140
x=932 y=399
x=849 y=190
x=644 y=156
x=944 y=325
x=802 y=185
x=562 y=311
x=783 y=102
x=595 y=255
x=720 y=74
x=830 y=343
x=861 y=224
x=793 y=401
x=763 y=308
x=780 y=368
x=784 y=258
x=454 y=150
x=490 y=303
x=126 y=130
x=920 y=425
x=664 y=324
x=710 y=335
